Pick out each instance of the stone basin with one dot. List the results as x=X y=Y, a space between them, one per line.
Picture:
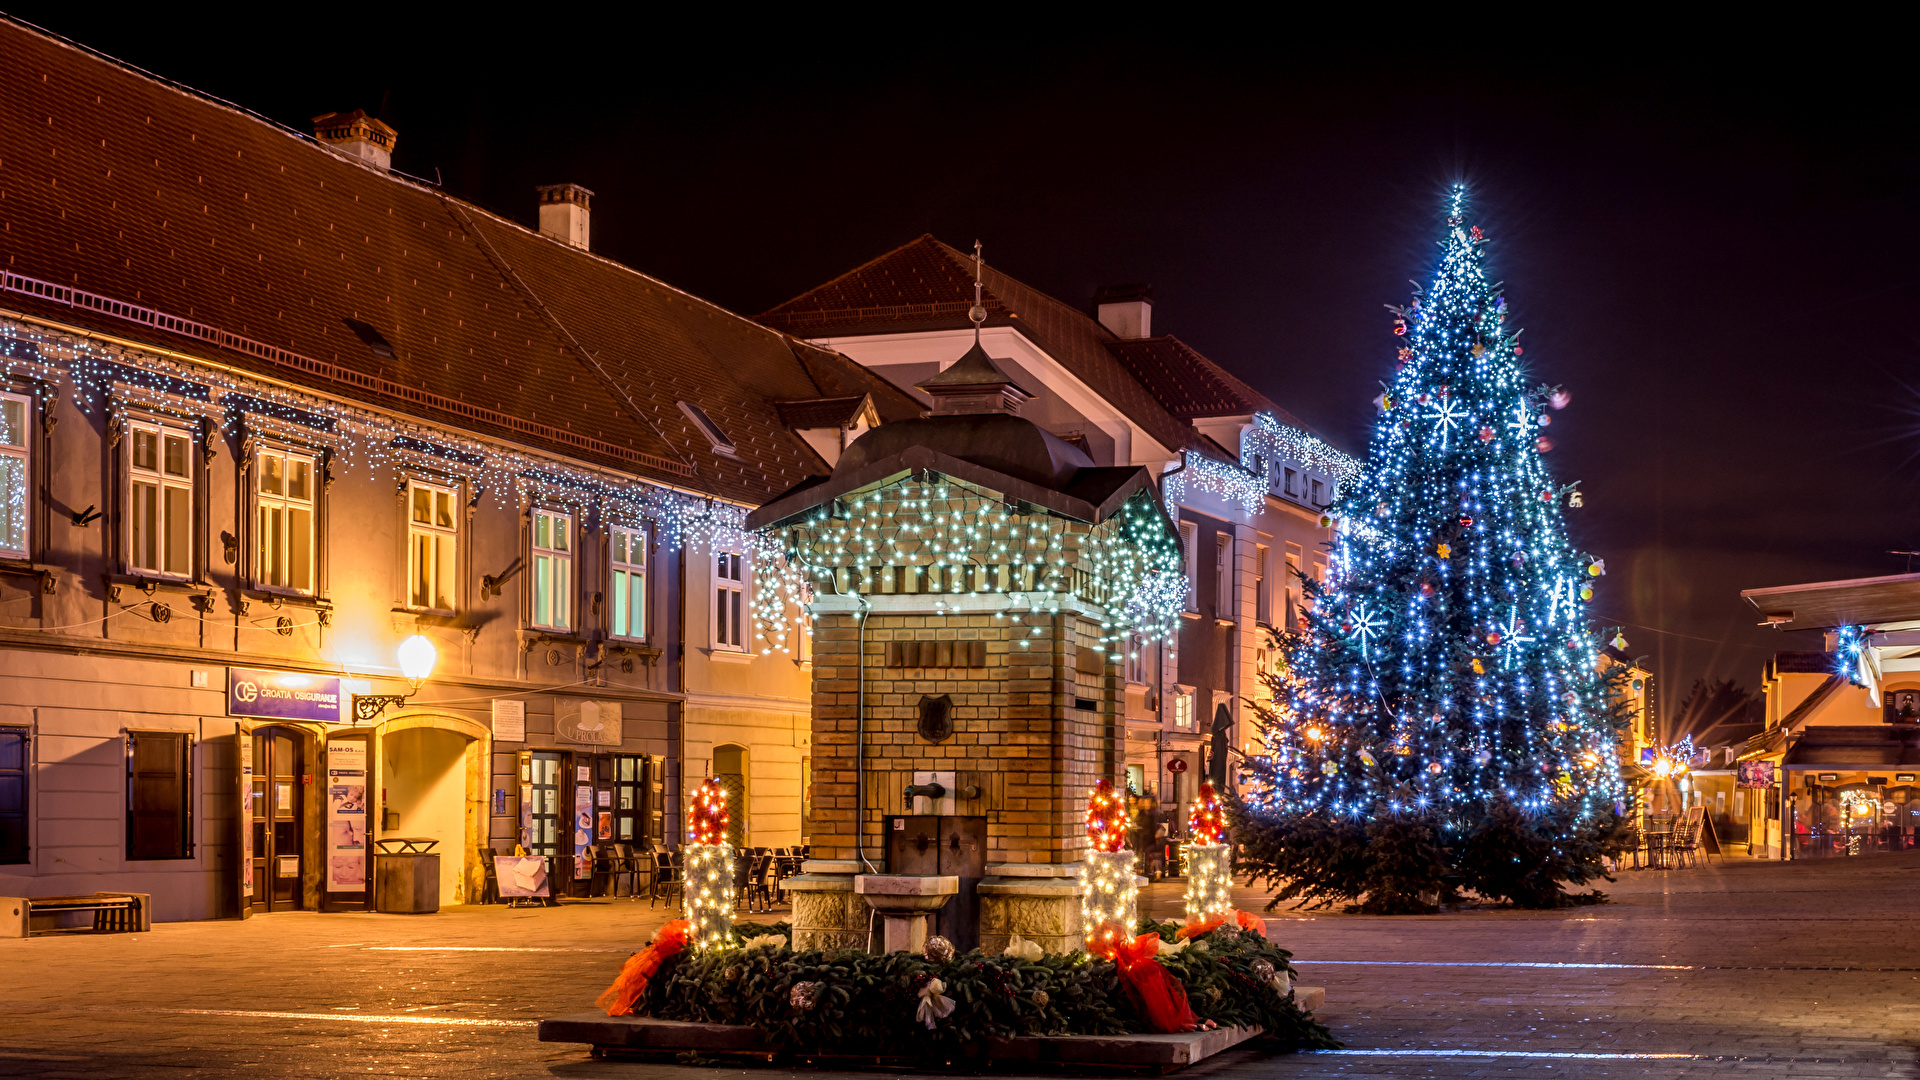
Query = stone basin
x=906 y=901
x=906 y=892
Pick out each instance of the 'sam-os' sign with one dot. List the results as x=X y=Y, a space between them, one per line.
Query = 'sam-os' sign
x=283 y=695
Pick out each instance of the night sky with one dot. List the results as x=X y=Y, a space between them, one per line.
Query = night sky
x=1712 y=247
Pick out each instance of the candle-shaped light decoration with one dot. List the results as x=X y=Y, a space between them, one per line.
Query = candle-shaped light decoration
x=1208 y=859
x=708 y=884
x=1109 y=904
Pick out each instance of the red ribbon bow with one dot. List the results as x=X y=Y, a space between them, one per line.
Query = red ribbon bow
x=631 y=984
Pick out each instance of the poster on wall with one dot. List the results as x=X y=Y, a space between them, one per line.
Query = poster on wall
x=347 y=816
x=509 y=720
x=583 y=832
x=1756 y=774
x=596 y=723
x=603 y=825
x=246 y=813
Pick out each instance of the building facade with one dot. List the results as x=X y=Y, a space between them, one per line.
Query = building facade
x=1836 y=772
x=269 y=411
x=1247 y=483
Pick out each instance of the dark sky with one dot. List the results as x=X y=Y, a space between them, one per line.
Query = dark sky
x=1712 y=248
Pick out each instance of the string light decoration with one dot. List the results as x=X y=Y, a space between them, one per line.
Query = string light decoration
x=1447 y=660
x=945 y=539
x=1673 y=762
x=1849 y=649
x=1109 y=904
x=1267 y=440
x=109 y=380
x=1207 y=858
x=708 y=884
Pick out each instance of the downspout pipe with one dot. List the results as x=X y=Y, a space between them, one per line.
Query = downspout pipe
x=860 y=742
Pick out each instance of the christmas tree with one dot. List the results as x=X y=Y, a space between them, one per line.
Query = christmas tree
x=1443 y=700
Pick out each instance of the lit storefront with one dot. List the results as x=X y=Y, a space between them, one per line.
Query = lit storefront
x=1837 y=770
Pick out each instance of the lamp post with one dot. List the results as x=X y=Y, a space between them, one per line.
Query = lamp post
x=417 y=658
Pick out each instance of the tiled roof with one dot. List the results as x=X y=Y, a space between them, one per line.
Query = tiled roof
x=1161 y=383
x=818 y=412
x=128 y=188
x=928 y=285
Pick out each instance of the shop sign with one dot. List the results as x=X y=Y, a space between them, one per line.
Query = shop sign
x=1756 y=774
x=593 y=722
x=1177 y=765
x=283 y=695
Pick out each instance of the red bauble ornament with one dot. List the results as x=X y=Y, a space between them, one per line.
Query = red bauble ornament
x=1543 y=443
x=1106 y=818
x=1493 y=638
x=707 y=815
x=1466 y=519
x=1426 y=588
x=1205 y=824
x=1486 y=434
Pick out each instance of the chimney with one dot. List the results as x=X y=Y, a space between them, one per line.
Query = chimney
x=1127 y=310
x=564 y=213
x=359 y=135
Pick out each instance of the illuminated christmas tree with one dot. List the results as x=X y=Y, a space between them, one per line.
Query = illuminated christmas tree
x=1207 y=858
x=708 y=884
x=1441 y=719
x=1109 y=907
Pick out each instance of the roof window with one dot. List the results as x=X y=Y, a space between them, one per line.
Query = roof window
x=373 y=338
x=721 y=444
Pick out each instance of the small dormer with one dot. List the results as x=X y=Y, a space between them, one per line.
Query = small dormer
x=829 y=425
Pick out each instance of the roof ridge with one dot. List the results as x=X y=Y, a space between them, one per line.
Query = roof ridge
x=883 y=256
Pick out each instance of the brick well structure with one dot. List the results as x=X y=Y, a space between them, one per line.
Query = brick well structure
x=964 y=573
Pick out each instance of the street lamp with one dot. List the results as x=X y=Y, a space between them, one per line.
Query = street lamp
x=417 y=657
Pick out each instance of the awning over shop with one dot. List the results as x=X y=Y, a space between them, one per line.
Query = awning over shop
x=1855 y=749
x=1886 y=611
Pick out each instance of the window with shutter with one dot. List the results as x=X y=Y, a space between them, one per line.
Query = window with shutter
x=159 y=795
x=13 y=795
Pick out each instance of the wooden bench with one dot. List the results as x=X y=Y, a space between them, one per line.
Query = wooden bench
x=124 y=912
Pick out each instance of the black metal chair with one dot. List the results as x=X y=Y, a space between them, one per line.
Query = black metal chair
x=666 y=878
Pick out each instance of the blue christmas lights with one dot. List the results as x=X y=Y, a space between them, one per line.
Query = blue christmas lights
x=1447 y=659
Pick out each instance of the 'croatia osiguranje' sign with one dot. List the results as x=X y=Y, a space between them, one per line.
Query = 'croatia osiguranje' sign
x=283 y=695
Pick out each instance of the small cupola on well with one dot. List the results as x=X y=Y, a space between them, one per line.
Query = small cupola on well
x=566 y=213
x=973 y=384
x=357 y=135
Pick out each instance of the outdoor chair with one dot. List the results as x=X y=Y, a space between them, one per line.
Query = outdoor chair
x=666 y=878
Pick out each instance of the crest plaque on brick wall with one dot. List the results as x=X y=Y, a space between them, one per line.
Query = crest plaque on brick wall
x=936 y=717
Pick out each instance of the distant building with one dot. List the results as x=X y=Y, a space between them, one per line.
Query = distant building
x=1837 y=770
x=1247 y=482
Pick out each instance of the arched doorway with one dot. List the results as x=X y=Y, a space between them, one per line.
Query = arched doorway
x=730 y=768
x=433 y=783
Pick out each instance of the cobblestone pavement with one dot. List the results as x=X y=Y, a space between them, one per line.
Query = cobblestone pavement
x=1797 y=970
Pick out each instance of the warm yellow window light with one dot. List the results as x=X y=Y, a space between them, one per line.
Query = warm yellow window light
x=417 y=658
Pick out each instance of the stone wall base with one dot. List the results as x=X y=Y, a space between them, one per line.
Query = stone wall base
x=1044 y=910
x=827 y=914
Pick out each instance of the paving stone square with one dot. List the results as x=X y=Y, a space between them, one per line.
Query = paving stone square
x=1803 y=969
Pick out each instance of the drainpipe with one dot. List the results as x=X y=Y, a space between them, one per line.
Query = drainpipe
x=860 y=743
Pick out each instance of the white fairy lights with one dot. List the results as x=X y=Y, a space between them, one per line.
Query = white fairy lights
x=1209 y=879
x=945 y=539
x=111 y=378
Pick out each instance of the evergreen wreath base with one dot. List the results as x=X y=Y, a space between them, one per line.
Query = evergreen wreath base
x=864 y=1006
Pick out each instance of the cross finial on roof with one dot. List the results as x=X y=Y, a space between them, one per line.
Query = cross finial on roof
x=978 y=313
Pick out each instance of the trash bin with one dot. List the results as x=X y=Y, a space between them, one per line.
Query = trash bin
x=406 y=875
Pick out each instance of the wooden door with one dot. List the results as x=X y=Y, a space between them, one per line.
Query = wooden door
x=924 y=844
x=277 y=820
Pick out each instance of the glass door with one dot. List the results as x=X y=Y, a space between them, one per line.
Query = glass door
x=276 y=820
x=543 y=799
